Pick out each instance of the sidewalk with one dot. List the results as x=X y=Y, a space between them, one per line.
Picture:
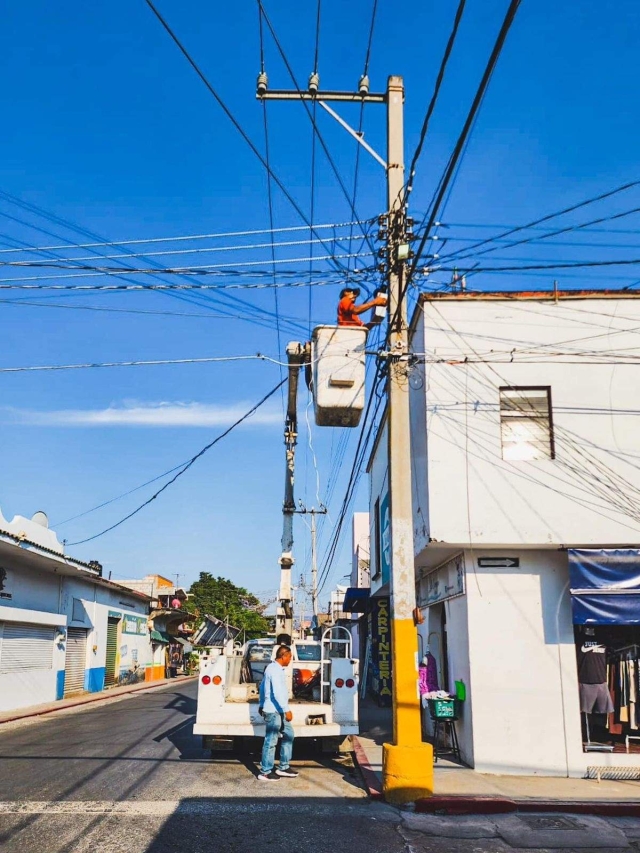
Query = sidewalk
x=460 y=790
x=88 y=698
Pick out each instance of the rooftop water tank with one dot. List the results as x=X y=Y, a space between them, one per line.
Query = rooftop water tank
x=338 y=361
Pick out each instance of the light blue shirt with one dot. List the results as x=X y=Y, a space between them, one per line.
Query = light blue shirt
x=274 y=692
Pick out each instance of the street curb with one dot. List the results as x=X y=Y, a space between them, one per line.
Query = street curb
x=467 y=805
x=98 y=697
x=369 y=775
x=461 y=805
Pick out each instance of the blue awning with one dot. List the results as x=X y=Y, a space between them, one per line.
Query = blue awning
x=605 y=586
x=355 y=599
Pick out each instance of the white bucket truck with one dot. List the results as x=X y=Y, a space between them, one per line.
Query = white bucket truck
x=323 y=676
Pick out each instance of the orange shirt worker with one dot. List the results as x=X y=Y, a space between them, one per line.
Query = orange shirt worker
x=348 y=310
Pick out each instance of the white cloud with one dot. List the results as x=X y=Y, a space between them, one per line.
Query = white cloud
x=137 y=414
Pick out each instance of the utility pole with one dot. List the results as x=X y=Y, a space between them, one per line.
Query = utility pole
x=314 y=552
x=407 y=762
x=314 y=565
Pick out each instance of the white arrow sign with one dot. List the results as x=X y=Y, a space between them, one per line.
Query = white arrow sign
x=498 y=562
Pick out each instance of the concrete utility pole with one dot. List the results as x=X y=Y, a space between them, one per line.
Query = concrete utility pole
x=314 y=553
x=407 y=762
x=314 y=566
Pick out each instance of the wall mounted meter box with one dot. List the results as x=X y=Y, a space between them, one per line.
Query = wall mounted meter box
x=338 y=362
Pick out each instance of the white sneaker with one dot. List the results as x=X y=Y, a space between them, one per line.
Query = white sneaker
x=268 y=777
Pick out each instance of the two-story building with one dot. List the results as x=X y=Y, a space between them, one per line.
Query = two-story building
x=64 y=629
x=526 y=511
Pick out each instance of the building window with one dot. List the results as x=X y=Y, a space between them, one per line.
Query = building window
x=526 y=427
x=78 y=610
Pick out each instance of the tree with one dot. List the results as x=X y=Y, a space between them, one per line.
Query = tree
x=221 y=598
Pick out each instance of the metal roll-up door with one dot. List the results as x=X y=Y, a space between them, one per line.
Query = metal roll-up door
x=25 y=647
x=112 y=651
x=75 y=661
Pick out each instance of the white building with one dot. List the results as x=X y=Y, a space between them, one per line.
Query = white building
x=63 y=628
x=525 y=446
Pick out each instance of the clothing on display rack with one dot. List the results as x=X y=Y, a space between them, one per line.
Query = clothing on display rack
x=592 y=678
x=624 y=689
x=428 y=674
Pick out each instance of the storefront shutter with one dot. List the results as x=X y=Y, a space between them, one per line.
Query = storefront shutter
x=25 y=647
x=75 y=661
x=112 y=651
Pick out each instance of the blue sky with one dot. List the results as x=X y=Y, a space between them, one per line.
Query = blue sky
x=107 y=127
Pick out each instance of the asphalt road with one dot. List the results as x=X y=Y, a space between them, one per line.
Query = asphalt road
x=128 y=776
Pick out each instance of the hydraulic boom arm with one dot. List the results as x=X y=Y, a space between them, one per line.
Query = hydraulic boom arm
x=296 y=357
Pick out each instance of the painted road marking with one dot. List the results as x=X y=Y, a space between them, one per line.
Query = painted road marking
x=159 y=808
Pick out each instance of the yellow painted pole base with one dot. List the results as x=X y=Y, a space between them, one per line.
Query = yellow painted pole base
x=407 y=772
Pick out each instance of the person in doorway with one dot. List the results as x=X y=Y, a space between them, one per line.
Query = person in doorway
x=274 y=707
x=348 y=311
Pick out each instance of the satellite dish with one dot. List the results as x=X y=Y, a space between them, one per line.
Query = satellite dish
x=41 y=518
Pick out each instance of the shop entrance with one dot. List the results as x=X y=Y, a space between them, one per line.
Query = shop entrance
x=605 y=601
x=608 y=659
x=112 y=651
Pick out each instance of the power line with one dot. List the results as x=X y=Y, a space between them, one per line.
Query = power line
x=15 y=284
x=460 y=144
x=554 y=215
x=246 y=247
x=27 y=302
x=184 y=468
x=434 y=98
x=569 y=228
x=227 y=111
x=316 y=130
x=92 y=270
x=550 y=266
x=354 y=476
x=196 y=299
x=150 y=363
x=213 y=236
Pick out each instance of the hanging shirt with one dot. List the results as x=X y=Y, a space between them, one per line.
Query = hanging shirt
x=428 y=674
x=346 y=314
x=592 y=663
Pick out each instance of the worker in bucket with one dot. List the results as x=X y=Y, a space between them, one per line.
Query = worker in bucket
x=274 y=708
x=348 y=311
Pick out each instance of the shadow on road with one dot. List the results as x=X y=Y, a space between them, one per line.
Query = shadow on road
x=300 y=824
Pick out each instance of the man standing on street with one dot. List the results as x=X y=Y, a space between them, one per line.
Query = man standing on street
x=274 y=707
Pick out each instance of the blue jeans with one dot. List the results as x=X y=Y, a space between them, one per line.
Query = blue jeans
x=275 y=725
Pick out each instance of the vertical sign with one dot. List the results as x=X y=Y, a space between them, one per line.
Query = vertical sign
x=381 y=631
x=385 y=539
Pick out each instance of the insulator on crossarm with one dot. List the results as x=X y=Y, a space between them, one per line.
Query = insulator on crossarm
x=262 y=83
x=314 y=83
x=363 y=85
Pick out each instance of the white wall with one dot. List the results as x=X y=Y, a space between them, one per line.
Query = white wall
x=523 y=680
x=30 y=588
x=474 y=495
x=419 y=439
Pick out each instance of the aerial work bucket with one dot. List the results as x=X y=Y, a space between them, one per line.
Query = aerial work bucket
x=338 y=363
